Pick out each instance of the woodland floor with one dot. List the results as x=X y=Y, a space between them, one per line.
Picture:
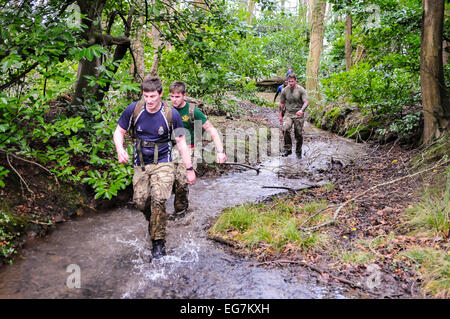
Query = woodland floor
x=375 y=218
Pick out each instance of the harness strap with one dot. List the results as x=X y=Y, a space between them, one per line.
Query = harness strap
x=139 y=151
x=140 y=143
x=191 y=112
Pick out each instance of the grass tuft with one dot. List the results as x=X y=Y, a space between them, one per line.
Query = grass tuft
x=273 y=225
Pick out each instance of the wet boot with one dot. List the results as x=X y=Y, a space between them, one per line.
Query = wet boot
x=158 y=248
x=286 y=153
x=178 y=215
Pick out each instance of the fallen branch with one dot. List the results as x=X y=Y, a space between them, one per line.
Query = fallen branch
x=244 y=165
x=223 y=240
x=281 y=187
x=315 y=268
x=314 y=215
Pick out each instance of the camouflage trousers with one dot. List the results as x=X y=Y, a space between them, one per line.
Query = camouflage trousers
x=152 y=188
x=181 y=185
x=290 y=120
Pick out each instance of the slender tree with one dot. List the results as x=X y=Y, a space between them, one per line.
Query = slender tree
x=250 y=11
x=348 y=41
x=315 y=50
x=436 y=108
x=137 y=46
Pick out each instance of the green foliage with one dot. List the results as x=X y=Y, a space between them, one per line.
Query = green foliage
x=3 y=173
x=431 y=214
x=434 y=268
x=374 y=89
x=387 y=80
x=407 y=125
x=10 y=228
x=285 y=40
x=27 y=34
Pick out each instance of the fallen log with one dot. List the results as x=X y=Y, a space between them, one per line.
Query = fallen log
x=275 y=81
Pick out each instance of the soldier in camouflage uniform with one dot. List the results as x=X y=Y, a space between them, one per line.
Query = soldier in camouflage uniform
x=293 y=102
x=190 y=114
x=153 y=167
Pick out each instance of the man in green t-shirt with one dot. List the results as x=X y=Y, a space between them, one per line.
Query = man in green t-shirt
x=189 y=114
x=293 y=102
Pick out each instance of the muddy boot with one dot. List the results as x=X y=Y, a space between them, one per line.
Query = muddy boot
x=158 y=248
x=286 y=153
x=181 y=214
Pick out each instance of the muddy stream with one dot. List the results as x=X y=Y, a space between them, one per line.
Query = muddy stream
x=111 y=249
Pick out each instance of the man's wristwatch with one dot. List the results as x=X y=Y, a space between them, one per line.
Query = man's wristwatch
x=190 y=168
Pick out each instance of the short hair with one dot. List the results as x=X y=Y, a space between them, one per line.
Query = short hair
x=151 y=83
x=177 y=87
x=292 y=76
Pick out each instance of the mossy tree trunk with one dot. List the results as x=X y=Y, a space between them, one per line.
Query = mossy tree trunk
x=315 y=51
x=434 y=92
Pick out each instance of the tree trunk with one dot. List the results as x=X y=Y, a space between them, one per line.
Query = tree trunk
x=302 y=10
x=156 y=53
x=445 y=43
x=315 y=51
x=137 y=46
x=434 y=96
x=310 y=5
x=359 y=54
x=250 y=11
x=92 y=10
x=82 y=87
x=348 y=41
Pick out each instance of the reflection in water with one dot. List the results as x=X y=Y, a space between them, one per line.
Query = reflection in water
x=112 y=248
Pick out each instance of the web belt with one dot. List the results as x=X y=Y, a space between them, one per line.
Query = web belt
x=141 y=143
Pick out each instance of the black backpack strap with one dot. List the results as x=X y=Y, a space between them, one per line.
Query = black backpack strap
x=191 y=113
x=137 y=110
x=168 y=115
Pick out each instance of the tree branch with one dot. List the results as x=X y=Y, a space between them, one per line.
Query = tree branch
x=20 y=177
x=19 y=76
x=111 y=40
x=31 y=162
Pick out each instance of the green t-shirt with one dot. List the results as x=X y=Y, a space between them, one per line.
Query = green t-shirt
x=293 y=98
x=198 y=116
